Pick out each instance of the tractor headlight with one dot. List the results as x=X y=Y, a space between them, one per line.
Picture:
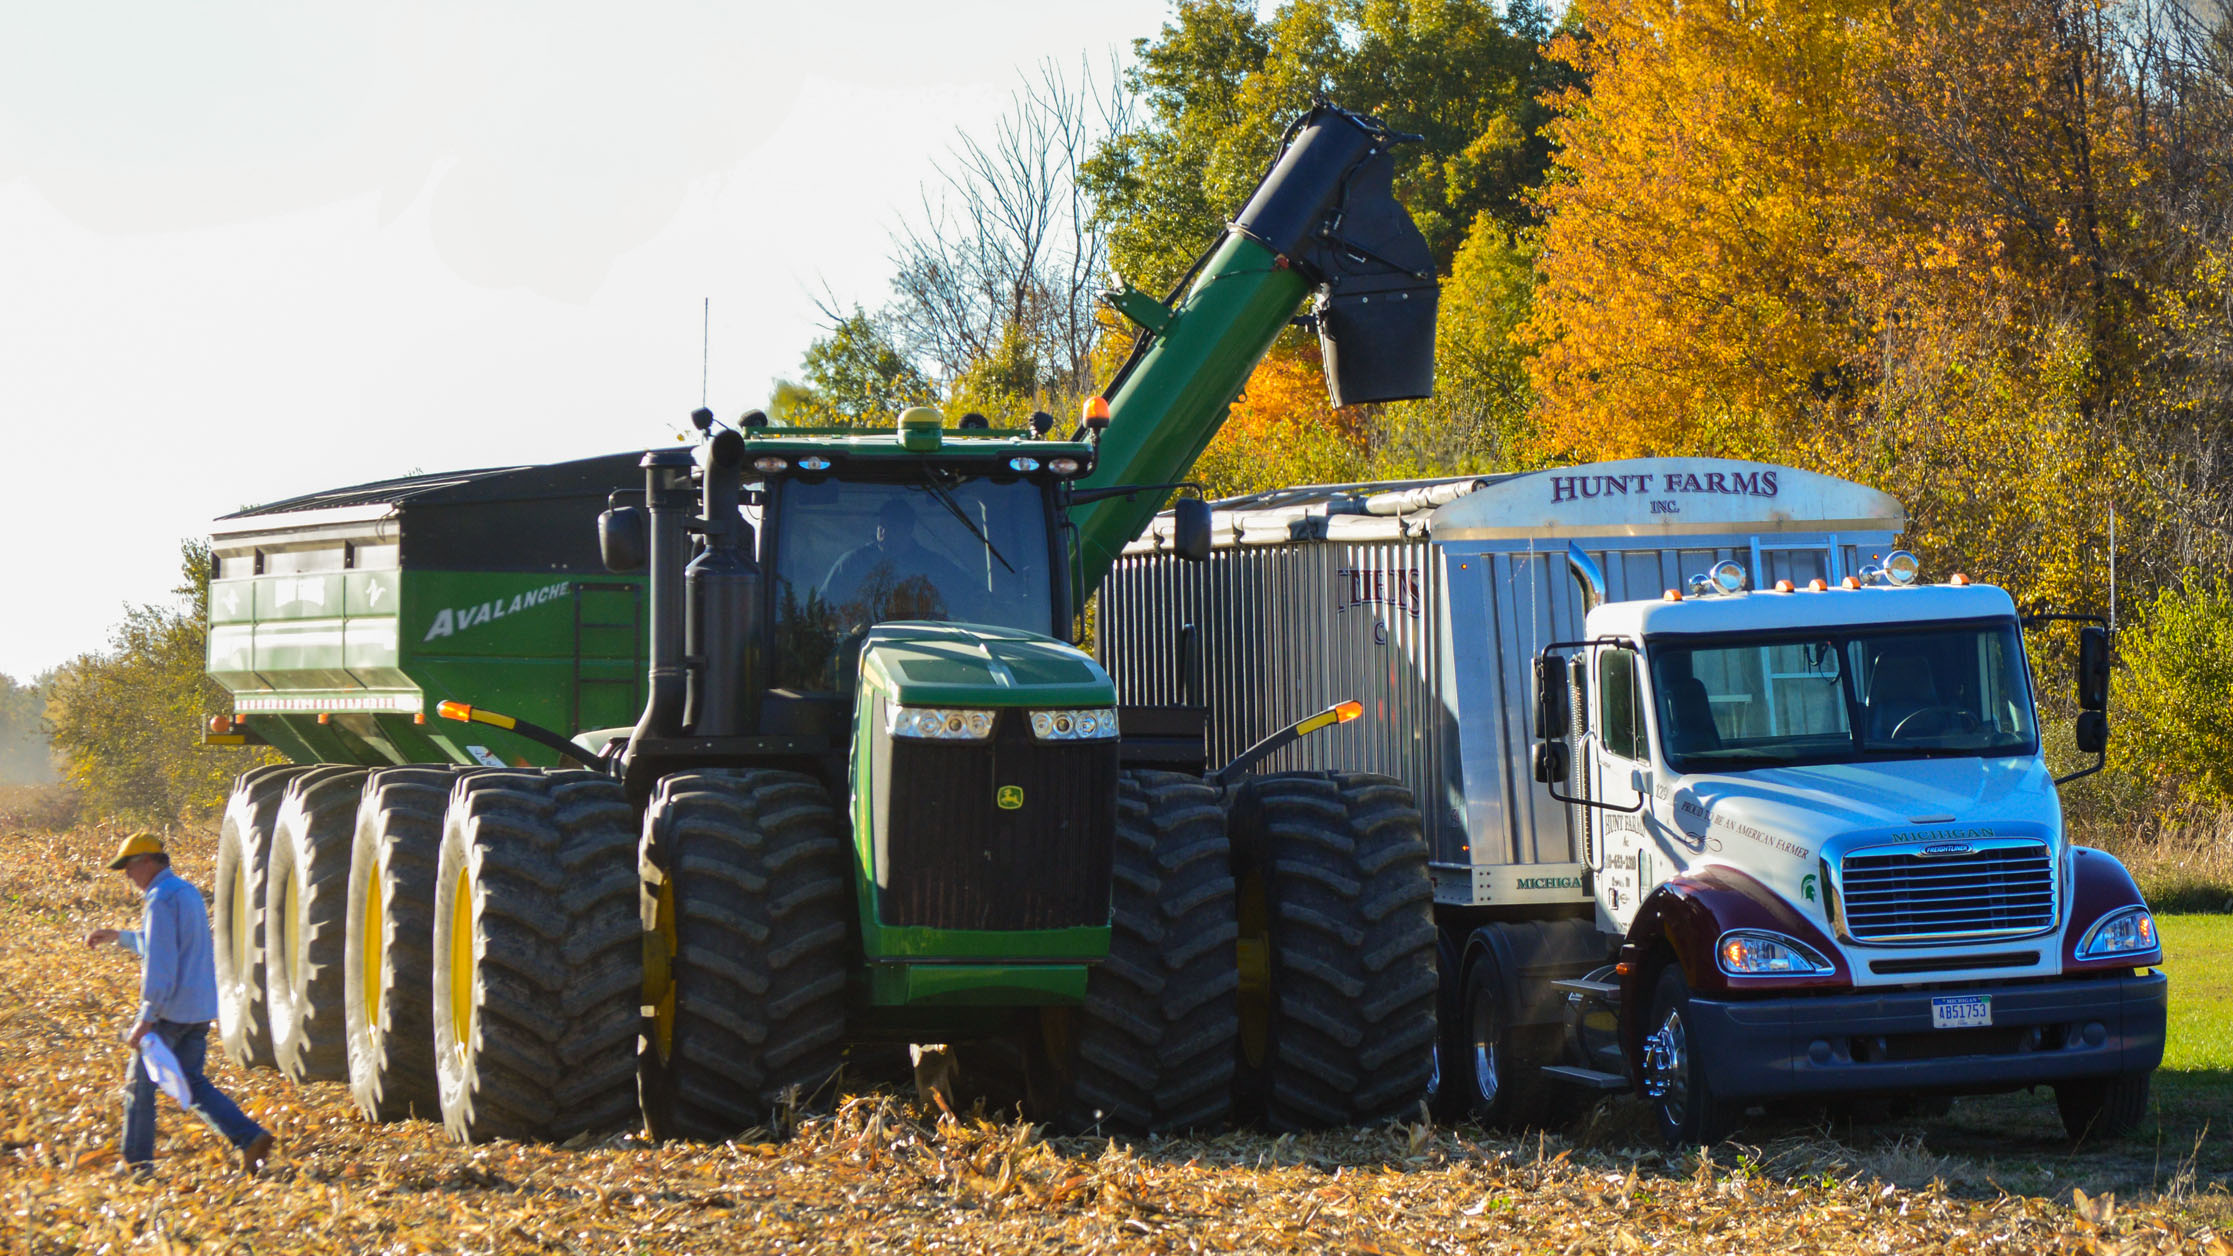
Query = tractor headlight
x=1762 y=953
x=1089 y=724
x=941 y=723
x=2127 y=932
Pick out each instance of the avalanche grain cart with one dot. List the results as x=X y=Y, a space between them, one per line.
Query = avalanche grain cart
x=873 y=793
x=1784 y=829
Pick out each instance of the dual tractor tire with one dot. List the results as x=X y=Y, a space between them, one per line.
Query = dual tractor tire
x=306 y=898
x=387 y=971
x=1153 y=1048
x=243 y=857
x=1333 y=871
x=537 y=957
x=746 y=893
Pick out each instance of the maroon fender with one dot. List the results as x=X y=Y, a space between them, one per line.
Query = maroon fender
x=2099 y=885
x=1689 y=913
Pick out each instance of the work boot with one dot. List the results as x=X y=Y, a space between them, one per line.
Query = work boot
x=252 y=1156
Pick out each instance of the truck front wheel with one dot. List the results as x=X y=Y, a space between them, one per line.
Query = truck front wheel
x=2103 y=1107
x=743 y=895
x=1675 y=1080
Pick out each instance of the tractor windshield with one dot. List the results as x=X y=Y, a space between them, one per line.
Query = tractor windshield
x=1843 y=696
x=854 y=554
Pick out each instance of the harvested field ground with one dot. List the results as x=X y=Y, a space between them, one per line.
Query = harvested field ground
x=877 y=1175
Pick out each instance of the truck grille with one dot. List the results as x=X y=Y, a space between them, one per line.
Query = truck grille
x=1904 y=895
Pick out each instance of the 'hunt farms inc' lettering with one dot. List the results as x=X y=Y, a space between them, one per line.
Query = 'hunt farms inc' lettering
x=1567 y=488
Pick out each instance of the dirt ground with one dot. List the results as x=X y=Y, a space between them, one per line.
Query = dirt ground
x=878 y=1175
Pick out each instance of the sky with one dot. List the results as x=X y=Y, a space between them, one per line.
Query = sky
x=255 y=249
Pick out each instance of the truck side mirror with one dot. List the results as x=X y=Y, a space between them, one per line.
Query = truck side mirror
x=1550 y=762
x=2093 y=671
x=2093 y=732
x=1552 y=716
x=622 y=538
x=1190 y=529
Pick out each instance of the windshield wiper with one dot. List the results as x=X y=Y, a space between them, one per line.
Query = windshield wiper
x=946 y=498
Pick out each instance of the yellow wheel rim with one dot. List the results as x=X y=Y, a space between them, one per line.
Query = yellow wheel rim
x=461 y=965
x=659 y=971
x=375 y=942
x=1253 y=954
x=290 y=936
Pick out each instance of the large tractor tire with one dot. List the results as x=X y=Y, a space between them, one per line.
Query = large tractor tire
x=538 y=957
x=1338 y=950
x=1152 y=1049
x=388 y=975
x=746 y=894
x=243 y=854
x=306 y=920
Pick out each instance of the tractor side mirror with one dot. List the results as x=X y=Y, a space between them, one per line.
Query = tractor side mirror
x=2093 y=732
x=1190 y=529
x=2093 y=672
x=1552 y=715
x=622 y=538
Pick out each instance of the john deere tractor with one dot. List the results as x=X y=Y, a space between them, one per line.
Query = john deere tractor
x=872 y=792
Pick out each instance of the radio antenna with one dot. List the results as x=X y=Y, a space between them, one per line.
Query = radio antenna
x=705 y=350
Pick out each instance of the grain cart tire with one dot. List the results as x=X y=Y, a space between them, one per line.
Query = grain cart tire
x=1152 y=1048
x=746 y=890
x=1676 y=1084
x=1335 y=879
x=237 y=911
x=538 y=957
x=390 y=936
x=2103 y=1107
x=306 y=918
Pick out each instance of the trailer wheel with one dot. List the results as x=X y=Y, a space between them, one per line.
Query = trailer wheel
x=243 y=857
x=385 y=963
x=1152 y=1048
x=1495 y=1078
x=2103 y=1107
x=1675 y=1080
x=745 y=886
x=538 y=957
x=306 y=917
x=1336 y=882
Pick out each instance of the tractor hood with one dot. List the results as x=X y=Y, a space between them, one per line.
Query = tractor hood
x=924 y=664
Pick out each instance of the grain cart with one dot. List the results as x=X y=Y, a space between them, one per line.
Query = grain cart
x=873 y=794
x=1727 y=805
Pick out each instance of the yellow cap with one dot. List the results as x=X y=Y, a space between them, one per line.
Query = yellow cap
x=140 y=843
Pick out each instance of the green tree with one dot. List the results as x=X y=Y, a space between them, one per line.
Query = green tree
x=2175 y=694
x=24 y=758
x=127 y=721
x=855 y=374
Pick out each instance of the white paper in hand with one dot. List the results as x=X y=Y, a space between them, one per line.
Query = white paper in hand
x=162 y=1069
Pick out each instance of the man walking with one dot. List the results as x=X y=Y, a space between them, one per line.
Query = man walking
x=178 y=999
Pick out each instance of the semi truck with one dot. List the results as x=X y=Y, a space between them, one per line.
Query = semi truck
x=1729 y=803
x=651 y=784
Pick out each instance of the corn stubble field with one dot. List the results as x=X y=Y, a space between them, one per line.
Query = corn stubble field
x=878 y=1173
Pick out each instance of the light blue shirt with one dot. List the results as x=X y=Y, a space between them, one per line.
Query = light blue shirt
x=178 y=980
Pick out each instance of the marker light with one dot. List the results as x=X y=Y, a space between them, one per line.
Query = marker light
x=1063 y=466
x=1783 y=586
x=771 y=464
x=1957 y=579
x=220 y=724
x=1763 y=953
x=1901 y=567
x=1727 y=577
x=940 y=723
x=1086 y=724
x=1023 y=464
x=1818 y=585
x=2127 y=932
x=459 y=711
x=1347 y=711
x=1096 y=408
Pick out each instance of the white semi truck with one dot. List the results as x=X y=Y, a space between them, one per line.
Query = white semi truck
x=1728 y=802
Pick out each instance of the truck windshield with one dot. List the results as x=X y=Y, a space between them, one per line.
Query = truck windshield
x=1842 y=696
x=851 y=554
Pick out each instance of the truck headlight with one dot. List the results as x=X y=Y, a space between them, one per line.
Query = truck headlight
x=2130 y=931
x=1761 y=953
x=1088 y=724
x=940 y=723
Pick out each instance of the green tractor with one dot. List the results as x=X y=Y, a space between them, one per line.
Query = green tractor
x=873 y=793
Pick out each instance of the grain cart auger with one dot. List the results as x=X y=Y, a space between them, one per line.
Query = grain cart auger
x=875 y=794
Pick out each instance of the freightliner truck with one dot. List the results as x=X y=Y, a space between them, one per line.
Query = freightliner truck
x=653 y=782
x=1728 y=804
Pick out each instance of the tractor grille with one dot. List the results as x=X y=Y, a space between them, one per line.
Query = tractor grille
x=950 y=857
x=1903 y=895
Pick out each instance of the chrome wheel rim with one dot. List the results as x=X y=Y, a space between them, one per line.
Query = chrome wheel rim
x=1666 y=1066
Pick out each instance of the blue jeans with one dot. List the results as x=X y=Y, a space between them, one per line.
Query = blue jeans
x=189 y=1041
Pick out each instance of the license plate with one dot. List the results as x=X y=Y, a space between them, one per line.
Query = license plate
x=1961 y=1011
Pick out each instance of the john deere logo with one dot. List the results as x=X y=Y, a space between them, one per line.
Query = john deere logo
x=1010 y=797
